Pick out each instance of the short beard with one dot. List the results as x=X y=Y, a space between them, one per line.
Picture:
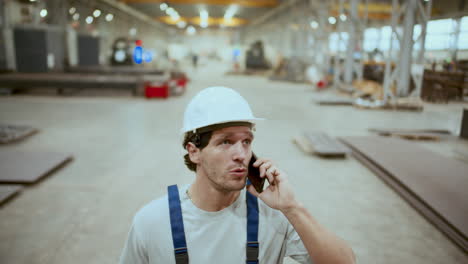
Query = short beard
x=222 y=187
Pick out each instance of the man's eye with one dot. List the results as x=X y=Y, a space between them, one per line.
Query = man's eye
x=247 y=141
x=226 y=142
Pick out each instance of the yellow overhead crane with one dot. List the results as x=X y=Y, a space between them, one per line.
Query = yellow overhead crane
x=244 y=3
x=233 y=22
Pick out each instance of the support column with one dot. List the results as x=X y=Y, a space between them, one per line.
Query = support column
x=406 y=47
x=454 y=39
x=353 y=21
x=355 y=29
x=406 y=69
x=338 y=67
x=7 y=35
x=322 y=56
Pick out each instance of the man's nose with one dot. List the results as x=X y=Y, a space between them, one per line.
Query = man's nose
x=239 y=151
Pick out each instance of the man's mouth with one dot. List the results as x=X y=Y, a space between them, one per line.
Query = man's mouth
x=238 y=171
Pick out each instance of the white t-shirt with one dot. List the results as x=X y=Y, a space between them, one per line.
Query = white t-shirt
x=212 y=237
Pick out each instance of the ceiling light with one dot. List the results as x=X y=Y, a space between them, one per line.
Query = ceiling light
x=76 y=16
x=163 y=6
x=343 y=17
x=97 y=13
x=175 y=16
x=191 y=30
x=89 y=19
x=32 y=0
x=204 y=18
x=314 y=24
x=332 y=20
x=230 y=12
x=204 y=15
x=109 y=17
x=170 y=10
x=43 y=12
x=72 y=10
x=132 y=31
x=181 y=24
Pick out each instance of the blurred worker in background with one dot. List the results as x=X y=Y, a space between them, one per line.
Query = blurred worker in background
x=194 y=60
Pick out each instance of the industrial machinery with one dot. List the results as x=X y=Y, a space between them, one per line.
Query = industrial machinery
x=255 y=58
x=122 y=52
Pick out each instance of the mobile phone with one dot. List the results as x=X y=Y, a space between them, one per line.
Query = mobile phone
x=254 y=175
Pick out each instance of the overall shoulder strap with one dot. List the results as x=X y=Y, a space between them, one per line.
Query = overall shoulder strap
x=252 y=229
x=177 y=226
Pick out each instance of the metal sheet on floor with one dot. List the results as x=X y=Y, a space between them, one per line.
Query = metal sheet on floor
x=29 y=167
x=115 y=70
x=435 y=185
x=13 y=133
x=70 y=80
x=7 y=191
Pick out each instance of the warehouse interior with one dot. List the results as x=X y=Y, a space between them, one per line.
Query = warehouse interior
x=365 y=107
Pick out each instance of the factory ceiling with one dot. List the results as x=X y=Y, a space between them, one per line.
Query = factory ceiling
x=219 y=12
x=236 y=13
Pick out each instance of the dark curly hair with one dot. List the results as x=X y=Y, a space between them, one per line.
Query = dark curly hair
x=200 y=140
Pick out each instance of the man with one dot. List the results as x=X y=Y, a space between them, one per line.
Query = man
x=215 y=219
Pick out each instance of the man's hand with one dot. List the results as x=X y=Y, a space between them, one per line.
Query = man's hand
x=323 y=246
x=279 y=194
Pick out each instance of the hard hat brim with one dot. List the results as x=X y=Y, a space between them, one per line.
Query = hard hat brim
x=251 y=120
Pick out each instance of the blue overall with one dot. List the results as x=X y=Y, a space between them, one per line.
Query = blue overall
x=178 y=233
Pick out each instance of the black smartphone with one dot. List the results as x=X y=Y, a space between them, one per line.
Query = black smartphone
x=254 y=175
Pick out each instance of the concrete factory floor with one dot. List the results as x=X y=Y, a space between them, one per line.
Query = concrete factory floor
x=127 y=150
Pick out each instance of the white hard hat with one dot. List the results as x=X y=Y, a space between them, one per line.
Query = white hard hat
x=216 y=105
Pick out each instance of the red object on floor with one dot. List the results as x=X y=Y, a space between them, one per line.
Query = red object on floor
x=157 y=90
x=321 y=84
x=182 y=82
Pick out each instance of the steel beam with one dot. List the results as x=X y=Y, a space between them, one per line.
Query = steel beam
x=454 y=38
x=406 y=48
x=262 y=19
x=354 y=27
x=337 y=66
x=7 y=32
x=136 y=14
x=322 y=54
x=407 y=67
x=57 y=12
x=352 y=41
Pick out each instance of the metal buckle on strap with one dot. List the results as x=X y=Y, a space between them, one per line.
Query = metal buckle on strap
x=181 y=255
x=252 y=251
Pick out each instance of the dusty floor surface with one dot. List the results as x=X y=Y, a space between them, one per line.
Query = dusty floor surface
x=127 y=150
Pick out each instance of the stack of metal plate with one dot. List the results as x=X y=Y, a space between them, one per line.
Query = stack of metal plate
x=433 y=184
x=12 y=133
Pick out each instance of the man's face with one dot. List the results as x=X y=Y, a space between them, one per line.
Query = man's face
x=224 y=161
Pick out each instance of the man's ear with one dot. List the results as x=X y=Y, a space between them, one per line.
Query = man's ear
x=194 y=152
